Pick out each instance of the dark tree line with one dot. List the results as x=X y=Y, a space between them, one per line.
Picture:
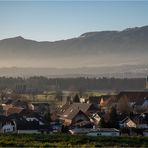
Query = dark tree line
x=43 y=83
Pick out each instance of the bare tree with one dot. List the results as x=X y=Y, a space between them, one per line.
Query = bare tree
x=123 y=105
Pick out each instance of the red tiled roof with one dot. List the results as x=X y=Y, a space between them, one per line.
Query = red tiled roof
x=13 y=110
x=7 y=106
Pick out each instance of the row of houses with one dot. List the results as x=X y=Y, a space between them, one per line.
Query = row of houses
x=19 y=116
x=17 y=105
x=131 y=106
x=77 y=113
x=80 y=117
x=24 y=122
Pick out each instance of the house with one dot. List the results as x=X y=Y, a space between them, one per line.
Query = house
x=8 y=127
x=20 y=103
x=98 y=115
x=82 y=100
x=145 y=105
x=31 y=116
x=84 y=107
x=130 y=123
x=102 y=100
x=127 y=122
x=104 y=132
x=77 y=131
x=5 y=107
x=134 y=96
x=74 y=117
x=16 y=123
x=142 y=121
x=56 y=127
x=25 y=122
x=40 y=107
x=2 y=119
x=95 y=132
x=13 y=110
x=107 y=102
x=139 y=121
x=9 y=109
x=72 y=113
x=16 y=103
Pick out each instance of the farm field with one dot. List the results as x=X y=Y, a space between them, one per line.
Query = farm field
x=60 y=140
x=50 y=96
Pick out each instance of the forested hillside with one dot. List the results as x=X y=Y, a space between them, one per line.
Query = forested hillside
x=43 y=83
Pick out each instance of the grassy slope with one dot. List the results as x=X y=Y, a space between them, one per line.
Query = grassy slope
x=68 y=141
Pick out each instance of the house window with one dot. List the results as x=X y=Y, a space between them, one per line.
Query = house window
x=8 y=129
x=99 y=134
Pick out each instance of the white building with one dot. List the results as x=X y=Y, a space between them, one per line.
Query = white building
x=96 y=132
x=104 y=132
x=8 y=128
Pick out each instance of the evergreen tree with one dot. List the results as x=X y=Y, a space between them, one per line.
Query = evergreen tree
x=113 y=121
x=47 y=116
x=76 y=98
x=102 y=123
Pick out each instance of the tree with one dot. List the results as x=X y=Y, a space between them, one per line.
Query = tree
x=113 y=121
x=47 y=115
x=58 y=95
x=102 y=123
x=123 y=105
x=76 y=98
x=64 y=129
x=81 y=92
x=3 y=95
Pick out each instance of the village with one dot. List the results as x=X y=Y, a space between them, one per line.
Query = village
x=123 y=113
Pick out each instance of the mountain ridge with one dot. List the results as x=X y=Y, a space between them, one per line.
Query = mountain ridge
x=91 y=48
x=116 y=31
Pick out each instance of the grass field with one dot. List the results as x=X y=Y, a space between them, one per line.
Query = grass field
x=43 y=140
x=51 y=95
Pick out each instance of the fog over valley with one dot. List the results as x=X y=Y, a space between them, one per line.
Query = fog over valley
x=88 y=51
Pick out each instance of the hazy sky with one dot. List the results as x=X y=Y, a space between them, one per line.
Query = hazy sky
x=58 y=20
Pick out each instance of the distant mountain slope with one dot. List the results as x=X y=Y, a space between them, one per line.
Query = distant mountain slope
x=90 y=49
